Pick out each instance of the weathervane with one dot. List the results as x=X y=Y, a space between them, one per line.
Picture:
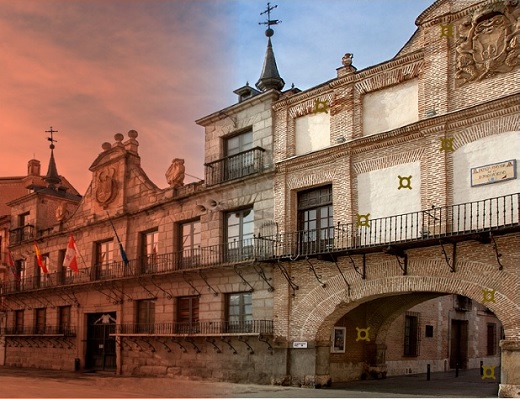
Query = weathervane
x=269 y=32
x=51 y=139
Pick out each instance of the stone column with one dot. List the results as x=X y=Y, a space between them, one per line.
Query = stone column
x=510 y=369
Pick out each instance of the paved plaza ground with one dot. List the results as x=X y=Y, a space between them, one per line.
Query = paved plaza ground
x=31 y=383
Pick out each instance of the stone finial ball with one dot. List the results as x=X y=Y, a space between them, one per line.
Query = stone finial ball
x=118 y=137
x=132 y=134
x=106 y=146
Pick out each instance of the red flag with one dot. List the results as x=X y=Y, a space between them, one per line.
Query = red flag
x=70 y=255
x=39 y=258
x=10 y=261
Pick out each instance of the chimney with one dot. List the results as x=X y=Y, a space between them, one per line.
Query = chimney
x=33 y=168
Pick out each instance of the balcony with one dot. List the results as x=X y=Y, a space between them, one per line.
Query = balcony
x=21 y=234
x=203 y=328
x=472 y=220
x=235 y=166
x=196 y=258
x=40 y=331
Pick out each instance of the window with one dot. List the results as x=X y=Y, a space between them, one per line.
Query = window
x=238 y=162
x=338 y=340
x=411 y=335
x=187 y=315
x=491 y=339
x=462 y=303
x=104 y=259
x=190 y=243
x=64 y=320
x=18 y=321
x=41 y=277
x=240 y=312
x=315 y=221
x=21 y=273
x=149 y=251
x=145 y=316
x=428 y=331
x=39 y=320
x=239 y=235
x=23 y=219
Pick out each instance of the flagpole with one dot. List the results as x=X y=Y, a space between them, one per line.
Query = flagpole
x=121 y=249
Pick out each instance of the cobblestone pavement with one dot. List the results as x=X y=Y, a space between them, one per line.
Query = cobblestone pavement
x=30 y=383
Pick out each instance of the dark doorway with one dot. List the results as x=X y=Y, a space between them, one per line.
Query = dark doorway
x=459 y=344
x=101 y=346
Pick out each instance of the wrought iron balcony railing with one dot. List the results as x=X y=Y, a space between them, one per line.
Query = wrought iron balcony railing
x=40 y=330
x=21 y=234
x=422 y=227
x=200 y=328
x=493 y=214
x=235 y=166
x=194 y=258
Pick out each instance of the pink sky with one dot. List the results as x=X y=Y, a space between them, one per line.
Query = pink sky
x=93 y=68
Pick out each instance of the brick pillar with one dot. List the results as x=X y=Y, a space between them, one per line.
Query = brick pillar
x=510 y=369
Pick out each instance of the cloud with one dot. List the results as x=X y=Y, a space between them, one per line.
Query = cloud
x=94 y=68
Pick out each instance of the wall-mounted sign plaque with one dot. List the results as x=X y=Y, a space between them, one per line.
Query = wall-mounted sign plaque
x=493 y=173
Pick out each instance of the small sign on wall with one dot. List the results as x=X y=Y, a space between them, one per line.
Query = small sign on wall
x=493 y=173
x=299 y=345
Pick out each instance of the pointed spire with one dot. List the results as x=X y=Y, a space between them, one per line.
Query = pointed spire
x=270 y=77
x=52 y=178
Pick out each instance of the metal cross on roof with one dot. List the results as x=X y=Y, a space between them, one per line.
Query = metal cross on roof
x=269 y=32
x=51 y=139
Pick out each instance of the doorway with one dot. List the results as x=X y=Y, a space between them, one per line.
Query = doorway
x=459 y=344
x=101 y=346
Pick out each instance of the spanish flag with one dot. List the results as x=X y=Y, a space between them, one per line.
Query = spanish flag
x=39 y=258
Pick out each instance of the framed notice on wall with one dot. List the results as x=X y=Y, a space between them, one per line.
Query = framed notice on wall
x=338 y=340
x=493 y=173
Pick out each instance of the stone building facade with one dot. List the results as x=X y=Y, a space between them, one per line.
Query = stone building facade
x=365 y=227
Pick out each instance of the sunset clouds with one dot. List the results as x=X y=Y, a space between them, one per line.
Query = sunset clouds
x=94 y=68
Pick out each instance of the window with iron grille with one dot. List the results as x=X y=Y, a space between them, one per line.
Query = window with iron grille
x=238 y=161
x=187 y=315
x=491 y=339
x=189 y=233
x=239 y=312
x=145 y=315
x=239 y=234
x=104 y=258
x=39 y=320
x=64 y=319
x=18 y=321
x=150 y=251
x=411 y=334
x=315 y=219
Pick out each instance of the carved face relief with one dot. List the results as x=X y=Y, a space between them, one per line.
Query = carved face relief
x=106 y=186
x=487 y=44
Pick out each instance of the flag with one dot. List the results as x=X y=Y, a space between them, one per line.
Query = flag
x=10 y=261
x=123 y=253
x=39 y=258
x=70 y=255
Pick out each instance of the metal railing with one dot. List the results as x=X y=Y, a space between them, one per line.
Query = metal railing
x=493 y=214
x=462 y=219
x=194 y=258
x=198 y=328
x=40 y=330
x=23 y=233
x=235 y=166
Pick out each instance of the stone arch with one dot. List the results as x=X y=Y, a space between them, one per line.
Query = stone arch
x=314 y=316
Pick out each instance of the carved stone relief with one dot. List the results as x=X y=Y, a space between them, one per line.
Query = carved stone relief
x=487 y=43
x=106 y=186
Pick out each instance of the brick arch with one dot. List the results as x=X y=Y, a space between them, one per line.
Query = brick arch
x=316 y=314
